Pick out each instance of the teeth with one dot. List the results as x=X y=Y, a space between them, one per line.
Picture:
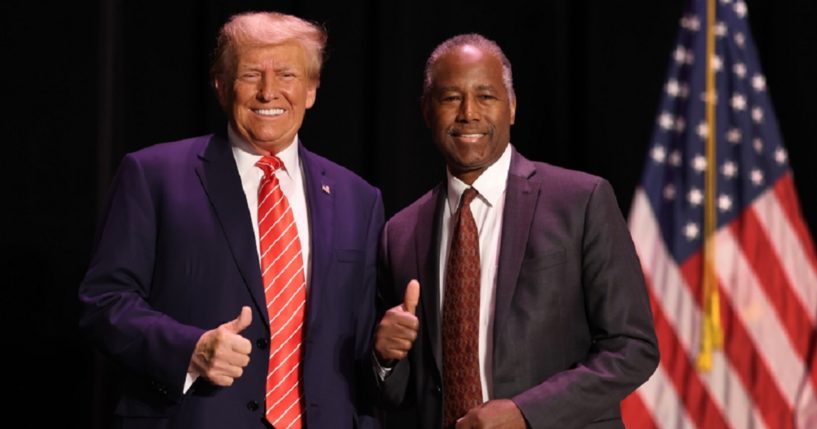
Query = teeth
x=269 y=112
x=471 y=136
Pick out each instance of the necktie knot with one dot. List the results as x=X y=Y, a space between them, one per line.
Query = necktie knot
x=468 y=196
x=269 y=164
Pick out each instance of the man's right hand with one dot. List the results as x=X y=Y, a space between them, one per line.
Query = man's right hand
x=221 y=354
x=397 y=330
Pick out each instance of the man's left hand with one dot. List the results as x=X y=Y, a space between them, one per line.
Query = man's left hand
x=497 y=414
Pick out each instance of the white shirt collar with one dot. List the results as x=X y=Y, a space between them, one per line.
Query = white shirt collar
x=246 y=156
x=490 y=184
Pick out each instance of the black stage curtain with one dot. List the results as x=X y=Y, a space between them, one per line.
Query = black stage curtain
x=86 y=82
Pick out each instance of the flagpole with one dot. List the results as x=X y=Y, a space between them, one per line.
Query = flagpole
x=711 y=334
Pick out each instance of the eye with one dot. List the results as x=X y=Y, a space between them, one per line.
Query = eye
x=450 y=98
x=486 y=97
x=249 y=76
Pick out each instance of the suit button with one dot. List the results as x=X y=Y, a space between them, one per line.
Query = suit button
x=252 y=405
x=437 y=389
x=262 y=343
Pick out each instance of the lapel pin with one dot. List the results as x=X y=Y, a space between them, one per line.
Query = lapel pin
x=326 y=189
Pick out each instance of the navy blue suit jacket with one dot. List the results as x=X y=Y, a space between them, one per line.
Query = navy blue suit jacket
x=176 y=256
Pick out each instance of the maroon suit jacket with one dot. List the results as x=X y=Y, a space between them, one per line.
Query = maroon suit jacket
x=573 y=331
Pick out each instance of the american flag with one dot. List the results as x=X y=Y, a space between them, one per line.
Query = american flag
x=762 y=258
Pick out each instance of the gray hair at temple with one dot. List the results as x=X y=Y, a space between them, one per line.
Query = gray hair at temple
x=267 y=28
x=472 y=39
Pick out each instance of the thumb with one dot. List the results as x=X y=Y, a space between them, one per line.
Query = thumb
x=412 y=296
x=241 y=322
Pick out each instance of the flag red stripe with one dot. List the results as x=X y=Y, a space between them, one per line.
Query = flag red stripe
x=635 y=413
x=745 y=359
x=682 y=372
x=757 y=247
x=787 y=196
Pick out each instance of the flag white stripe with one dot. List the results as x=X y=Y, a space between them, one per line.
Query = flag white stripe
x=659 y=396
x=752 y=307
x=684 y=316
x=789 y=250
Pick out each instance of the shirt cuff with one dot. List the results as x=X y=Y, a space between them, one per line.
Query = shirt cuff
x=189 y=379
x=381 y=371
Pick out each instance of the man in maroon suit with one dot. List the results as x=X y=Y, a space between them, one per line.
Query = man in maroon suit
x=554 y=329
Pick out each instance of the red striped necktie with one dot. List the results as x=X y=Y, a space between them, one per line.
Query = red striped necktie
x=282 y=271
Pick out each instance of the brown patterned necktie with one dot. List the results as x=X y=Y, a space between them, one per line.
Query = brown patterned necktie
x=462 y=389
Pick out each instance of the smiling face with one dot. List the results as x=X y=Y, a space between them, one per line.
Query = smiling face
x=268 y=94
x=469 y=110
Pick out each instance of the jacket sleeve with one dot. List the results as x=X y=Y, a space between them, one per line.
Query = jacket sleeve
x=624 y=350
x=114 y=295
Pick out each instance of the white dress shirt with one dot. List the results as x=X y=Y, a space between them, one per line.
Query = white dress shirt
x=291 y=181
x=487 y=210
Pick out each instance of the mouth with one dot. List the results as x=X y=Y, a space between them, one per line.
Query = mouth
x=270 y=113
x=467 y=137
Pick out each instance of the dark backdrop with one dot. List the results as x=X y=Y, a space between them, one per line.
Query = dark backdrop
x=84 y=82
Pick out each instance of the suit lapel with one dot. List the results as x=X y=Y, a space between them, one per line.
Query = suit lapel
x=427 y=240
x=320 y=204
x=219 y=177
x=520 y=204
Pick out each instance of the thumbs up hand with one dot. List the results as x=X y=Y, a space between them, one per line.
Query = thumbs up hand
x=221 y=354
x=397 y=330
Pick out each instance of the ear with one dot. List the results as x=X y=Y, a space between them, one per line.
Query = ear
x=222 y=93
x=311 y=95
x=425 y=108
x=513 y=110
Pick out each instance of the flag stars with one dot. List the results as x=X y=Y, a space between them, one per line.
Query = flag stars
x=739 y=69
x=729 y=169
x=673 y=88
x=738 y=102
x=675 y=158
x=702 y=130
x=716 y=63
x=734 y=135
x=780 y=156
x=669 y=192
x=757 y=115
x=666 y=121
x=758 y=82
x=691 y=23
x=720 y=29
x=658 y=154
x=758 y=145
x=683 y=56
x=740 y=39
x=691 y=231
x=740 y=8
x=699 y=163
x=724 y=203
x=756 y=177
x=695 y=197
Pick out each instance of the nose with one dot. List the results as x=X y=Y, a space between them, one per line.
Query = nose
x=267 y=89
x=468 y=110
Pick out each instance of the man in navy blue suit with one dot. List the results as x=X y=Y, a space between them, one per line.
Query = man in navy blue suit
x=174 y=292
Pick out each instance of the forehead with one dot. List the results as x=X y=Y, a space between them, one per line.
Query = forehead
x=289 y=54
x=467 y=65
